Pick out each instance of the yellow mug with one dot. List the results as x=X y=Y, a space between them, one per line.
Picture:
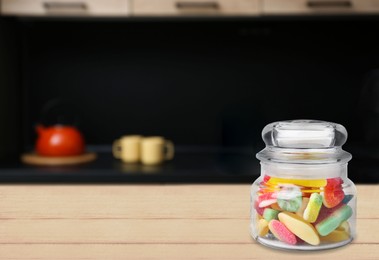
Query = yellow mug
x=155 y=150
x=128 y=148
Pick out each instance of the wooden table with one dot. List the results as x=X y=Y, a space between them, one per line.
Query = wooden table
x=151 y=222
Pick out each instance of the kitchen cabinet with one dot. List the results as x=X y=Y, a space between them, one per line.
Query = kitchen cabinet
x=66 y=7
x=278 y=7
x=195 y=7
x=124 y=8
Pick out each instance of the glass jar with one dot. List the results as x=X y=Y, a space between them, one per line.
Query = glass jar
x=303 y=199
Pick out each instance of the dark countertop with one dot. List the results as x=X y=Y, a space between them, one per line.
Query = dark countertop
x=188 y=166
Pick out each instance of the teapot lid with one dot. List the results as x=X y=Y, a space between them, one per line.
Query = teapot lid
x=304 y=142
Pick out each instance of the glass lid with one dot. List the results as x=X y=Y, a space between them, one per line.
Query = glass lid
x=304 y=141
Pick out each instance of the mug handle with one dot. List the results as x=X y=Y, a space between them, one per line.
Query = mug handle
x=116 y=149
x=169 y=147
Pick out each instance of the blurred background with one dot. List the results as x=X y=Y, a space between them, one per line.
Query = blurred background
x=207 y=79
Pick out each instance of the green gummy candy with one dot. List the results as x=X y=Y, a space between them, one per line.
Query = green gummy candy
x=316 y=198
x=332 y=222
x=290 y=204
x=270 y=214
x=290 y=198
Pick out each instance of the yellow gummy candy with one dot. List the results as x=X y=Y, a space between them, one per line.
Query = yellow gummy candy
x=304 y=204
x=306 y=183
x=336 y=236
x=313 y=208
x=276 y=206
x=344 y=227
x=299 y=227
x=262 y=227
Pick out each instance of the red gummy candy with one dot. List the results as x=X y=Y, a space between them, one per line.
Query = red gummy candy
x=258 y=209
x=334 y=182
x=264 y=201
x=333 y=193
x=281 y=232
x=333 y=197
x=326 y=212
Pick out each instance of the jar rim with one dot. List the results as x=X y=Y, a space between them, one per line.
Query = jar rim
x=303 y=171
x=304 y=156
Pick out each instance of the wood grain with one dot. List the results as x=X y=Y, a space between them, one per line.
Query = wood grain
x=128 y=231
x=125 y=201
x=151 y=222
x=179 y=251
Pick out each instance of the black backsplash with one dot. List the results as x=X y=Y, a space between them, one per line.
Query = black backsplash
x=199 y=82
x=208 y=83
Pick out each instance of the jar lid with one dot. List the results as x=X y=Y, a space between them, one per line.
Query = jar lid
x=304 y=142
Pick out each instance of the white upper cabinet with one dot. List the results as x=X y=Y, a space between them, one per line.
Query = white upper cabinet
x=288 y=7
x=66 y=7
x=124 y=8
x=195 y=7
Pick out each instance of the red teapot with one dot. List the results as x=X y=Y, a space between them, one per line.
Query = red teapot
x=59 y=140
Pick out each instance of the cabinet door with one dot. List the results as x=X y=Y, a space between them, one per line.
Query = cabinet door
x=320 y=6
x=66 y=7
x=195 y=7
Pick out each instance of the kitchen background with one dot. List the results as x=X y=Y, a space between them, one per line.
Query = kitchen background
x=208 y=83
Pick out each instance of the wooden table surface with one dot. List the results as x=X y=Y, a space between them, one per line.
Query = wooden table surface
x=152 y=222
